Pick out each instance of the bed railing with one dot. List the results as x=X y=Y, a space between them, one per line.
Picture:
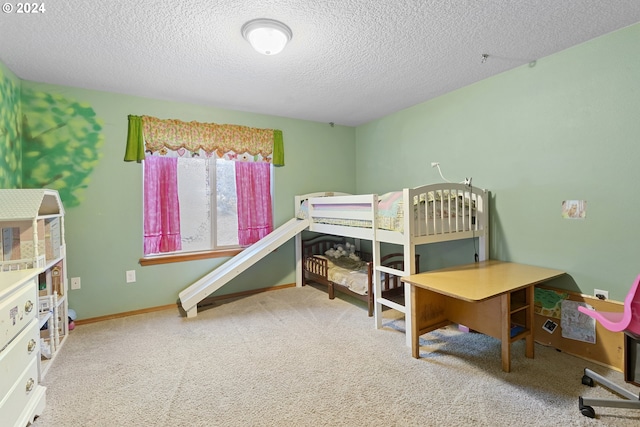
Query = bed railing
x=446 y=209
x=435 y=212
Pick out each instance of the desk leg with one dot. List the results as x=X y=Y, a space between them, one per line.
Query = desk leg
x=505 y=329
x=505 y=315
x=529 y=349
x=415 y=336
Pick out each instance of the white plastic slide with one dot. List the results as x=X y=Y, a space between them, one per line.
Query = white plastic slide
x=190 y=297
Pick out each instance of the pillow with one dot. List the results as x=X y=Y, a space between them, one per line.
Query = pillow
x=344 y=256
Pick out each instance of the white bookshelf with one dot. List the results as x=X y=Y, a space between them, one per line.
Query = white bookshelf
x=32 y=233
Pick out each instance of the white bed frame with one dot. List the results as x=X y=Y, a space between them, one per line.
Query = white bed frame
x=416 y=231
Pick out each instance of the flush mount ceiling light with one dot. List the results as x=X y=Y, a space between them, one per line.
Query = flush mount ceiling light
x=267 y=36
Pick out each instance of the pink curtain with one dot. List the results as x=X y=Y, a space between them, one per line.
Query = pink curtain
x=161 y=206
x=253 y=187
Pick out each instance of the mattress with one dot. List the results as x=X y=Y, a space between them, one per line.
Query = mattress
x=356 y=280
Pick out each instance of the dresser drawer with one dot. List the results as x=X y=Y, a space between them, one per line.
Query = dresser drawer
x=25 y=393
x=15 y=358
x=17 y=310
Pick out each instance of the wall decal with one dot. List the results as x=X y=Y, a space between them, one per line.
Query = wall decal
x=61 y=144
x=10 y=142
x=574 y=209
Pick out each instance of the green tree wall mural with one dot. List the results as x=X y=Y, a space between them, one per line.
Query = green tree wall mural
x=10 y=147
x=61 y=144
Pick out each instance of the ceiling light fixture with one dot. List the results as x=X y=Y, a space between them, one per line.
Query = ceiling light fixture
x=267 y=36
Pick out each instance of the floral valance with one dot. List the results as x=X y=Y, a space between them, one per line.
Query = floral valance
x=153 y=135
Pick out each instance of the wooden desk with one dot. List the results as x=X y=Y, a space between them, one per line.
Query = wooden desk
x=491 y=297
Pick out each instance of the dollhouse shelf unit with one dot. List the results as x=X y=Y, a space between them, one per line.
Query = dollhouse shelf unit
x=32 y=237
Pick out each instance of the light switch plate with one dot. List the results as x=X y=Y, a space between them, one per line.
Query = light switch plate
x=131 y=276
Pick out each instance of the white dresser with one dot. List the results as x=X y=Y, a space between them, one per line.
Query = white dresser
x=22 y=397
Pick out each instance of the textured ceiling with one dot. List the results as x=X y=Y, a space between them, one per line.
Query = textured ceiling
x=350 y=61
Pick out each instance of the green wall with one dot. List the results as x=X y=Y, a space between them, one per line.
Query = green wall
x=10 y=137
x=62 y=142
x=565 y=127
x=104 y=230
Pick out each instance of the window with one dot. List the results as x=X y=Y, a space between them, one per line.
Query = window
x=200 y=229
x=207 y=187
x=207 y=200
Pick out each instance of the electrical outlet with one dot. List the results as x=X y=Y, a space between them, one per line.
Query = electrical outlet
x=131 y=276
x=599 y=293
x=75 y=283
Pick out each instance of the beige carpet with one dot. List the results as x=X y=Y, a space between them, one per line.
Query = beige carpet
x=292 y=357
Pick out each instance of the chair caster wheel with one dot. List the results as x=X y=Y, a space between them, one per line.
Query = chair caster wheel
x=587 y=411
x=587 y=380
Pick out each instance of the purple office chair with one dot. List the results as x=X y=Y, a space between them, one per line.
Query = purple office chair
x=627 y=321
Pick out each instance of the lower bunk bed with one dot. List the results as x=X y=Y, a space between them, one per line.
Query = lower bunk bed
x=407 y=218
x=337 y=263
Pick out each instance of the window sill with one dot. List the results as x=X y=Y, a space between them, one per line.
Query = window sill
x=166 y=259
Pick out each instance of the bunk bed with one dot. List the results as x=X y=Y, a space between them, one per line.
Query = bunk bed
x=437 y=213
x=337 y=264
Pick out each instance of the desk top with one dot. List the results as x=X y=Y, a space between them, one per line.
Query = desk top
x=482 y=280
